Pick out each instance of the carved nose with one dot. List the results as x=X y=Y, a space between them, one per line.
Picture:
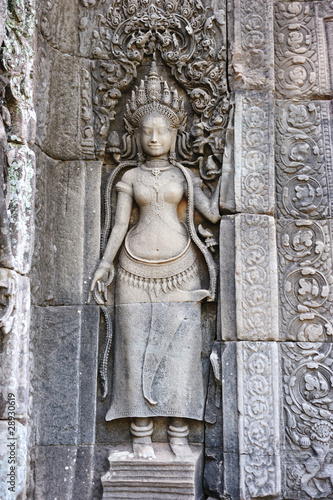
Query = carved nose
x=153 y=137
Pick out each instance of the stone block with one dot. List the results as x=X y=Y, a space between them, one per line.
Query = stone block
x=13 y=461
x=259 y=419
x=304 y=169
x=64 y=105
x=68 y=230
x=221 y=476
x=305 y=279
x=307 y=419
x=254 y=152
x=302 y=43
x=165 y=477
x=14 y=343
x=58 y=23
x=66 y=374
x=213 y=471
x=248 y=278
x=231 y=476
x=21 y=173
x=64 y=472
x=227 y=295
x=252 y=46
x=230 y=418
x=256 y=278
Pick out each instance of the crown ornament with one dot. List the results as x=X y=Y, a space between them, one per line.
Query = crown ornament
x=154 y=96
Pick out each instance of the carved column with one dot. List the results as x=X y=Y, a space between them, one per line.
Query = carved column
x=304 y=209
x=248 y=273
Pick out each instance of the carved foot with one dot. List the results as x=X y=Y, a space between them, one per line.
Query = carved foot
x=141 y=431
x=181 y=449
x=143 y=450
x=178 y=433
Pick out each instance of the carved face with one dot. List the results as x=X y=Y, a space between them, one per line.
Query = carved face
x=156 y=136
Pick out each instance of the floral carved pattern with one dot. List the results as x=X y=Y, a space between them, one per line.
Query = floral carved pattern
x=258 y=403
x=304 y=159
x=301 y=65
x=253 y=47
x=254 y=154
x=305 y=280
x=256 y=278
x=308 y=391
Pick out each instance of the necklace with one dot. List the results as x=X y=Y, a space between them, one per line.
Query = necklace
x=156 y=167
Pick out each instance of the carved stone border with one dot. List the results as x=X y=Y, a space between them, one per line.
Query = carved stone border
x=253 y=45
x=256 y=278
x=254 y=152
x=259 y=419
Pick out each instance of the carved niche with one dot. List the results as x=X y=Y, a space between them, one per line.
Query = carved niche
x=187 y=40
x=190 y=40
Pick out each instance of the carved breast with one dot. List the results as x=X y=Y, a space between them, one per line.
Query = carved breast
x=166 y=187
x=159 y=234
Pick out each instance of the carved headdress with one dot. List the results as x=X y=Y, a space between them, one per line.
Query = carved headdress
x=155 y=96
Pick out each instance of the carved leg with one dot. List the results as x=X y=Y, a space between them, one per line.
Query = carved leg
x=141 y=430
x=178 y=432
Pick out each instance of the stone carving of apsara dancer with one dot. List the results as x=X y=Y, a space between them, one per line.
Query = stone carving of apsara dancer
x=157 y=367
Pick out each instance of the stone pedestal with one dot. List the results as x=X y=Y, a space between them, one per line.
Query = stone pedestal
x=165 y=477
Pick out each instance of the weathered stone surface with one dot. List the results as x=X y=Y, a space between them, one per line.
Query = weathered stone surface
x=14 y=343
x=17 y=58
x=305 y=277
x=259 y=419
x=17 y=131
x=21 y=174
x=254 y=152
x=301 y=53
x=64 y=472
x=304 y=169
x=13 y=453
x=256 y=278
x=66 y=374
x=251 y=45
x=213 y=471
x=89 y=18
x=58 y=22
x=308 y=399
x=62 y=126
x=68 y=225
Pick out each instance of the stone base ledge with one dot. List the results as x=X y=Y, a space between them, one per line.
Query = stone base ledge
x=165 y=477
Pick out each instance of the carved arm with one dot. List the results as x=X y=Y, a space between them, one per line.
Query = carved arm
x=208 y=207
x=118 y=233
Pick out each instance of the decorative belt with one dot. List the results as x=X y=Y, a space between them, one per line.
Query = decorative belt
x=163 y=276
